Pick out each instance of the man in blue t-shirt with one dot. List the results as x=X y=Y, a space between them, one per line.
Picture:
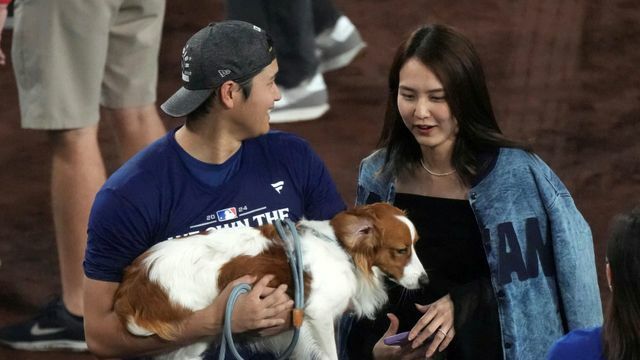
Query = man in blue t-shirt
x=223 y=168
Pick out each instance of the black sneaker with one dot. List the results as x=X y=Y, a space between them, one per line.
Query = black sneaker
x=54 y=328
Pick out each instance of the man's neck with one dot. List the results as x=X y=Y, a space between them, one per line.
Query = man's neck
x=207 y=142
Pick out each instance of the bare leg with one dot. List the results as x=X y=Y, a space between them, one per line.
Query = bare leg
x=135 y=128
x=77 y=173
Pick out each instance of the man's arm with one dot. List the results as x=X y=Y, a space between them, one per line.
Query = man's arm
x=107 y=337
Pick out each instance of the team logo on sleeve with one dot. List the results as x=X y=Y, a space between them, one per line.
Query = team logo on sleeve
x=227 y=214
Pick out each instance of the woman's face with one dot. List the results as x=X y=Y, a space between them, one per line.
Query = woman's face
x=423 y=106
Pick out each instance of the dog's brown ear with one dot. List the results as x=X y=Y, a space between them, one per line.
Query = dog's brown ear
x=353 y=229
x=356 y=231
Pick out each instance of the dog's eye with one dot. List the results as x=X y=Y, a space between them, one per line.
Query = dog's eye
x=402 y=251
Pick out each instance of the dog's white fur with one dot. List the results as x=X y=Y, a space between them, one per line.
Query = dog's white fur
x=187 y=270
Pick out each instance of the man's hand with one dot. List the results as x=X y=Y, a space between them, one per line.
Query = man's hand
x=285 y=315
x=262 y=308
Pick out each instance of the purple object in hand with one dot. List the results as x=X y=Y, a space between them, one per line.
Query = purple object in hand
x=397 y=339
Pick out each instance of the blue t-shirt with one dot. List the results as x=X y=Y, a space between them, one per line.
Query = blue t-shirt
x=212 y=174
x=155 y=196
x=578 y=345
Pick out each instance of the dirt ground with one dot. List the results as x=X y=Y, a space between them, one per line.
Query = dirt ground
x=563 y=76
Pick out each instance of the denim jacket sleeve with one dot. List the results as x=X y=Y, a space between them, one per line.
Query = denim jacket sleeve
x=573 y=249
x=374 y=184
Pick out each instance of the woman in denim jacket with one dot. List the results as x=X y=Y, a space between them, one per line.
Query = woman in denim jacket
x=511 y=259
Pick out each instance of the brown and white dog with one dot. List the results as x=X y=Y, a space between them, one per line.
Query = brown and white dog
x=345 y=262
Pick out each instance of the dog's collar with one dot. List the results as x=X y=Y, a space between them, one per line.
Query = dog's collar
x=324 y=237
x=318 y=234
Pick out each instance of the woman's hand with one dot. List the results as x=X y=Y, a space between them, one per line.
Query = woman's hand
x=403 y=352
x=437 y=321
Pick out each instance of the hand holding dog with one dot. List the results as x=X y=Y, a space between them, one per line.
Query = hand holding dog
x=437 y=321
x=261 y=308
x=381 y=351
x=285 y=315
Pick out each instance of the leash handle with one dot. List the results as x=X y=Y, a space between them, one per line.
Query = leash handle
x=294 y=253
x=227 y=335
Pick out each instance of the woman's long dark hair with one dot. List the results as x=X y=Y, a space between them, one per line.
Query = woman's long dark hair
x=452 y=58
x=621 y=333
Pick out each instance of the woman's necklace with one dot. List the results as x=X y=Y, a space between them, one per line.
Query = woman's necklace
x=435 y=173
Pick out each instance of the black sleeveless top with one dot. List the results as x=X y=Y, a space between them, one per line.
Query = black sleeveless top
x=450 y=248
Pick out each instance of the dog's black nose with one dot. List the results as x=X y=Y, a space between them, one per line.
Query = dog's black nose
x=423 y=280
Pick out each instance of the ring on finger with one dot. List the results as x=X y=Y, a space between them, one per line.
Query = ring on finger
x=444 y=333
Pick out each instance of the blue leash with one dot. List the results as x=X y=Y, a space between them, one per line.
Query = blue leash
x=294 y=254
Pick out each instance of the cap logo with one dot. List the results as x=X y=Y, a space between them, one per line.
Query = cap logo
x=224 y=72
x=257 y=28
x=186 y=72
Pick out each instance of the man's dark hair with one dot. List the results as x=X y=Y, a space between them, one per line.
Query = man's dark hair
x=207 y=105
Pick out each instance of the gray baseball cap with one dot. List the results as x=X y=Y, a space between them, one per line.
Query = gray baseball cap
x=228 y=50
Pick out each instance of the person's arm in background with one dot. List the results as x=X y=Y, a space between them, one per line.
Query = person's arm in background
x=3 y=17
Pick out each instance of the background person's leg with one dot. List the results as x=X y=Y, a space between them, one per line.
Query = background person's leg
x=337 y=40
x=325 y=15
x=77 y=172
x=290 y=25
x=135 y=128
x=62 y=94
x=131 y=76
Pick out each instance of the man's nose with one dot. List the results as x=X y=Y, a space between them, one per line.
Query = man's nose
x=277 y=94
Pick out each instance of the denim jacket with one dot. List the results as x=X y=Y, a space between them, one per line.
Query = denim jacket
x=538 y=247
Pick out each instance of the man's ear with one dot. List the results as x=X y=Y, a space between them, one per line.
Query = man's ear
x=229 y=95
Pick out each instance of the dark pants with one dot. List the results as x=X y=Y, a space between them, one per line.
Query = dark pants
x=293 y=25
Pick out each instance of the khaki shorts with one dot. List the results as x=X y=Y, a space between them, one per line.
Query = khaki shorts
x=72 y=56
